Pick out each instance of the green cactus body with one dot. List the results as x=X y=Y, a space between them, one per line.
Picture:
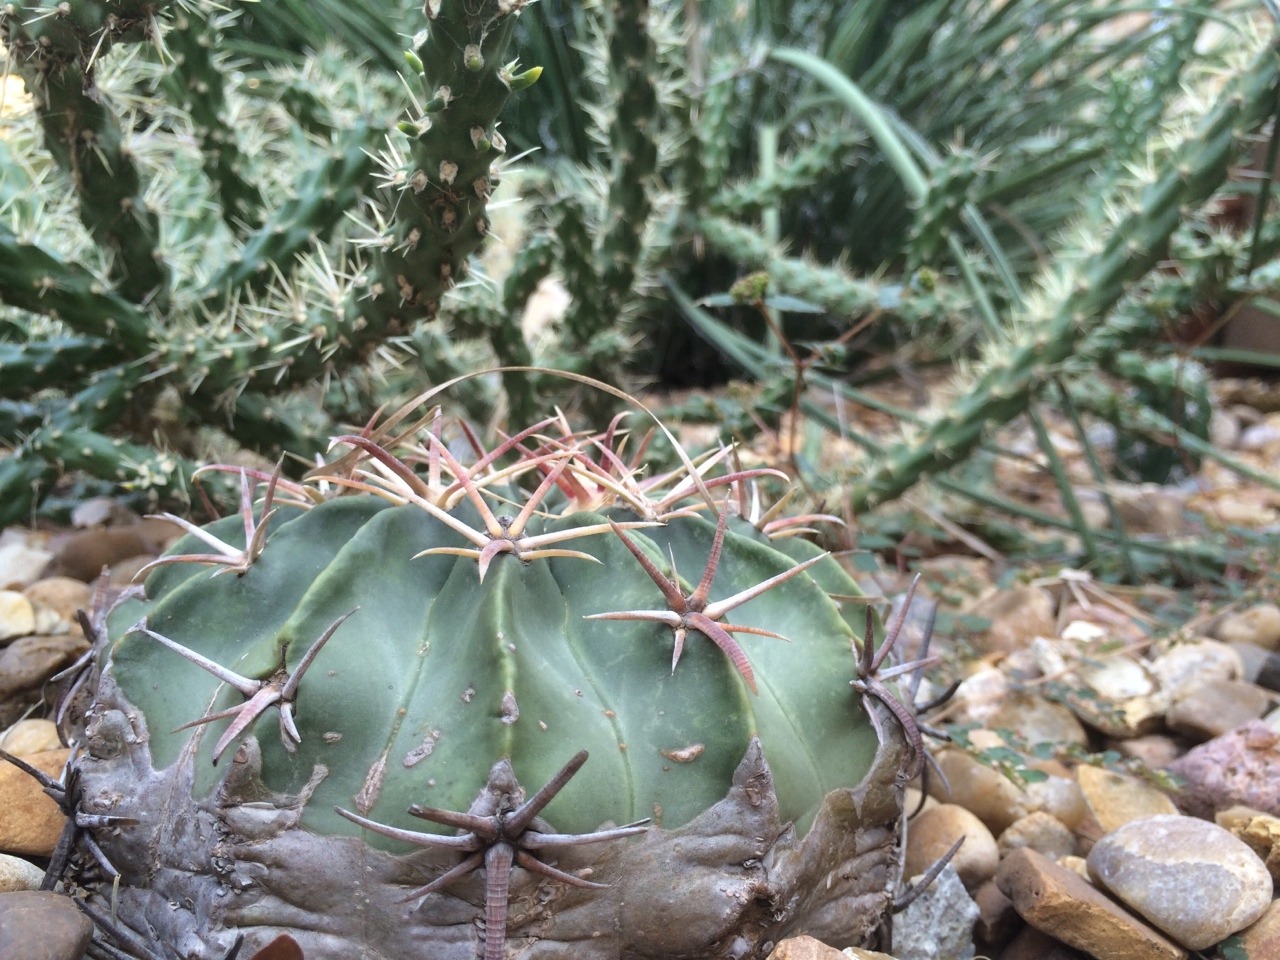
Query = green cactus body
x=522 y=638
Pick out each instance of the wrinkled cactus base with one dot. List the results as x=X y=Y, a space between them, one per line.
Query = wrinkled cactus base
x=196 y=873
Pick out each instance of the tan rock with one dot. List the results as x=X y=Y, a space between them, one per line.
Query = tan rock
x=986 y=793
x=1059 y=796
x=30 y=822
x=17 y=615
x=931 y=835
x=42 y=925
x=1016 y=616
x=1115 y=799
x=20 y=564
x=30 y=736
x=1155 y=750
x=1259 y=625
x=1259 y=831
x=63 y=595
x=1041 y=832
x=804 y=948
x=1057 y=902
x=1213 y=708
x=19 y=874
x=1077 y=865
x=126 y=572
x=1186 y=666
x=1262 y=940
x=980 y=695
x=83 y=555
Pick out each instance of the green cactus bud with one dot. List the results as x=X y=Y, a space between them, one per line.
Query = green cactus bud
x=523 y=81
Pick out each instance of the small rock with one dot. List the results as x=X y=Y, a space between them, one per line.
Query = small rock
x=1037 y=720
x=100 y=512
x=63 y=595
x=1078 y=866
x=1213 y=708
x=1155 y=750
x=804 y=948
x=1041 y=832
x=1059 y=903
x=83 y=555
x=997 y=922
x=30 y=736
x=30 y=822
x=1190 y=878
x=42 y=925
x=1188 y=665
x=1259 y=831
x=1115 y=799
x=125 y=573
x=931 y=835
x=1060 y=797
x=20 y=564
x=28 y=662
x=1262 y=940
x=1253 y=660
x=1259 y=625
x=1240 y=767
x=1031 y=944
x=986 y=793
x=18 y=874
x=1016 y=617
x=938 y=923
x=980 y=695
x=17 y=615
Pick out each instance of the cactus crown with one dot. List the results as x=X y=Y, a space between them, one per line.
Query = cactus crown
x=408 y=620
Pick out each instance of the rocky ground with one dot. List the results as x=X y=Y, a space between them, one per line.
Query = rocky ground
x=1113 y=773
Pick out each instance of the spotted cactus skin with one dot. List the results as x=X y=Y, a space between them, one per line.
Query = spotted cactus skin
x=438 y=677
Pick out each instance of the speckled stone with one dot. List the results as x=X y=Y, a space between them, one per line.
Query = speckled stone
x=1190 y=878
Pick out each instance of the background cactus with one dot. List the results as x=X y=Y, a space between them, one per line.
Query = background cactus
x=465 y=621
x=235 y=312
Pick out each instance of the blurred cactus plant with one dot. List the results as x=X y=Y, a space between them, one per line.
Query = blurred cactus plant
x=385 y=655
x=148 y=296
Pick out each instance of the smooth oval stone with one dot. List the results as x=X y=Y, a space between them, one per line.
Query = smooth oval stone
x=931 y=835
x=1188 y=877
x=36 y=925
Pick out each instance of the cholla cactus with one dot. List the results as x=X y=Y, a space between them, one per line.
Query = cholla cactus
x=324 y=712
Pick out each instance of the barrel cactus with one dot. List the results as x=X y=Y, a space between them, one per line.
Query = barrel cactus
x=320 y=717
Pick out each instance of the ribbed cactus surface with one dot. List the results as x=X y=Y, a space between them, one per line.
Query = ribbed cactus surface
x=404 y=633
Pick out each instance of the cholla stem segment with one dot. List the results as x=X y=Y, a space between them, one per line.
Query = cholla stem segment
x=279 y=690
x=499 y=842
x=694 y=612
